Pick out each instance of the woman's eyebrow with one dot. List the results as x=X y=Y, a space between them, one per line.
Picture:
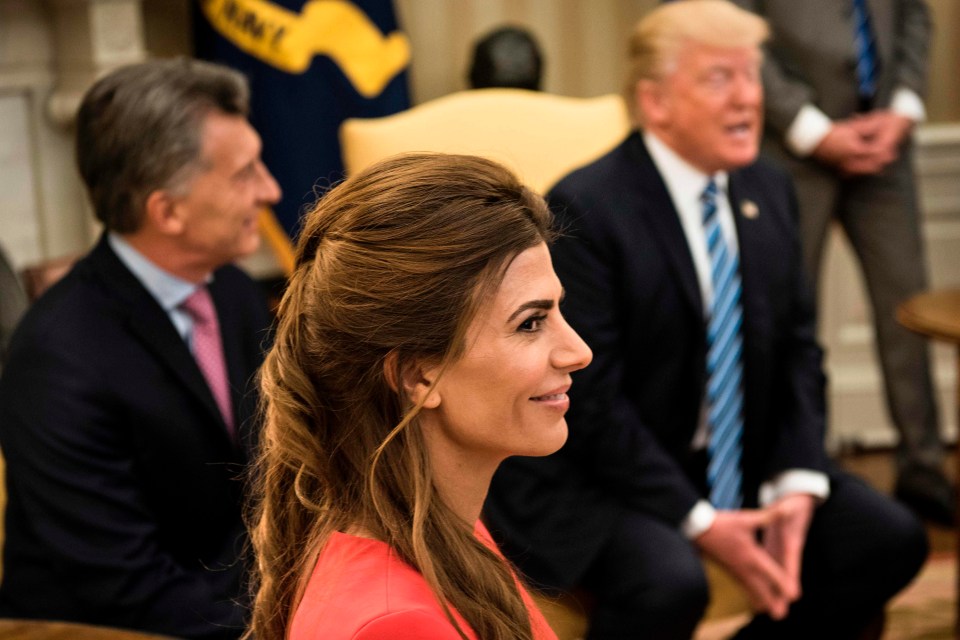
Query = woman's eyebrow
x=545 y=305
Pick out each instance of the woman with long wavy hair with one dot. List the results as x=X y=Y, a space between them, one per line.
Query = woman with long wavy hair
x=419 y=344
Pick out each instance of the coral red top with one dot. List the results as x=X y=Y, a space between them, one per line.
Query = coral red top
x=361 y=590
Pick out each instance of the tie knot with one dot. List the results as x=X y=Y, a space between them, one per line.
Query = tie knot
x=709 y=192
x=199 y=305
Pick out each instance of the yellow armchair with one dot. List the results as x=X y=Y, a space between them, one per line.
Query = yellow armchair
x=539 y=135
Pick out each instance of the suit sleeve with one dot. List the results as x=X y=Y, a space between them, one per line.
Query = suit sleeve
x=607 y=435
x=78 y=489
x=911 y=45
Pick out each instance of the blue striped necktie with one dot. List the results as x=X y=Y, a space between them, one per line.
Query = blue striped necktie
x=866 y=51
x=724 y=368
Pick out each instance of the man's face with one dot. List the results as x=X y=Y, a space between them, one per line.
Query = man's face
x=223 y=200
x=709 y=108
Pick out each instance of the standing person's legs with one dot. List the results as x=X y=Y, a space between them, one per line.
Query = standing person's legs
x=881 y=217
x=648 y=582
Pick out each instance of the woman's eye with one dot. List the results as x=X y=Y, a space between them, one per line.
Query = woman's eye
x=533 y=323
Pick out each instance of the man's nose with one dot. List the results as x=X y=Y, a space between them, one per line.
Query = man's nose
x=270 y=191
x=748 y=91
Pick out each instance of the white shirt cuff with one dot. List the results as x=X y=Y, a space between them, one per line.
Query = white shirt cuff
x=808 y=128
x=699 y=519
x=791 y=481
x=907 y=103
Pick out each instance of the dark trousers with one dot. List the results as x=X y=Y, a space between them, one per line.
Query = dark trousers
x=862 y=548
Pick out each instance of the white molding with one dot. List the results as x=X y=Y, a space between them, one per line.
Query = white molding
x=935 y=135
x=92 y=37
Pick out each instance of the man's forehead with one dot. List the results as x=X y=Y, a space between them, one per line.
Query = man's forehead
x=228 y=140
x=704 y=52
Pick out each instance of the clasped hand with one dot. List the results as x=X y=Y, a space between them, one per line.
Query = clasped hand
x=763 y=550
x=864 y=144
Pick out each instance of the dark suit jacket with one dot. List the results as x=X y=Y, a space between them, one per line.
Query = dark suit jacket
x=124 y=500
x=632 y=294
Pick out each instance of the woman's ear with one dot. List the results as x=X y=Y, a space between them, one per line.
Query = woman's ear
x=416 y=378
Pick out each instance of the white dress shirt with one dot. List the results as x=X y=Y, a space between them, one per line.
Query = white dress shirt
x=167 y=289
x=811 y=125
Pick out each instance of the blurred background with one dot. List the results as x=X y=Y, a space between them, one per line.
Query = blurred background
x=51 y=50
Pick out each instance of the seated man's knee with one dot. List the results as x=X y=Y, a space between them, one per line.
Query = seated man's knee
x=683 y=592
x=907 y=547
x=864 y=545
x=665 y=598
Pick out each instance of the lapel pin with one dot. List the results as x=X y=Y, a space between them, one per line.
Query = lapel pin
x=749 y=209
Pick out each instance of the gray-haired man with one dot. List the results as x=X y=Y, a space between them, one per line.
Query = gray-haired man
x=124 y=404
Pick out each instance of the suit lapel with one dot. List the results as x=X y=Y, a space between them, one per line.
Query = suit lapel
x=745 y=202
x=664 y=223
x=151 y=326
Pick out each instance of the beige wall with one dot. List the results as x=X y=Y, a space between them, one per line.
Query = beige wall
x=583 y=42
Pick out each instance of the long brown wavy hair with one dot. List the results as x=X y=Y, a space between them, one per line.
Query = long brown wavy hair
x=392 y=266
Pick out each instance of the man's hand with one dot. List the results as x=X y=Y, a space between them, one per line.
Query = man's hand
x=732 y=541
x=786 y=535
x=865 y=144
x=849 y=150
x=884 y=130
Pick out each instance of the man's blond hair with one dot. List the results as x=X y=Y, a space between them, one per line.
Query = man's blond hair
x=662 y=34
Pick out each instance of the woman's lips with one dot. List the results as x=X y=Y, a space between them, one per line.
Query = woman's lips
x=557 y=398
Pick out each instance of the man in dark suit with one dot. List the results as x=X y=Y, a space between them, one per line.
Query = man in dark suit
x=126 y=402
x=698 y=428
x=844 y=82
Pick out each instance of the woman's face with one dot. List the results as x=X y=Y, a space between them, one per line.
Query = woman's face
x=507 y=394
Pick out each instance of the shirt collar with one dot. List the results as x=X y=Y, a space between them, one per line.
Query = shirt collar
x=680 y=176
x=166 y=288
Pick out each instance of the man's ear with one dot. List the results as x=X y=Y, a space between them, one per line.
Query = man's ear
x=651 y=101
x=163 y=212
x=416 y=378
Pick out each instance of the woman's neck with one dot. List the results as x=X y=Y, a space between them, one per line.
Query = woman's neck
x=461 y=477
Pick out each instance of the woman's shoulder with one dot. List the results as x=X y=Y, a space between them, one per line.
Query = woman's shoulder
x=410 y=624
x=360 y=590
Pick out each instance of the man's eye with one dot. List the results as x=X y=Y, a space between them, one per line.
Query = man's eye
x=247 y=173
x=718 y=78
x=533 y=323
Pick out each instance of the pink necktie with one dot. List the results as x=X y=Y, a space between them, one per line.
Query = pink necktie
x=208 y=350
